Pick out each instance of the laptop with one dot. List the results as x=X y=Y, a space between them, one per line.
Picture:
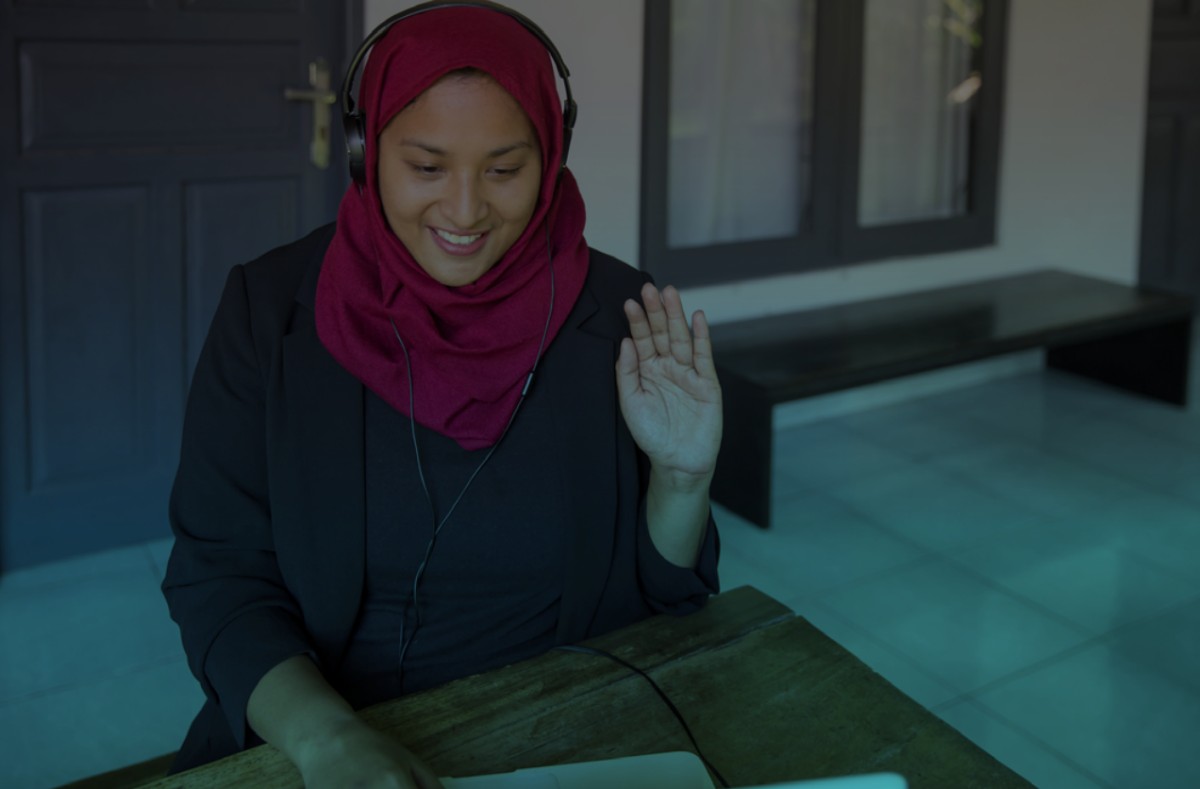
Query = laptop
x=674 y=770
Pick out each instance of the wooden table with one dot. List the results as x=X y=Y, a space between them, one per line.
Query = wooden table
x=767 y=695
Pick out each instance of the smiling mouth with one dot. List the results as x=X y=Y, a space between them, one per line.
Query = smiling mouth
x=459 y=240
x=455 y=244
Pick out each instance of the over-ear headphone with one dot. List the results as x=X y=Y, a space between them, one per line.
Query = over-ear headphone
x=356 y=123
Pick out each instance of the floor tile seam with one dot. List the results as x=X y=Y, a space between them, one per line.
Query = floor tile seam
x=870 y=577
x=1156 y=427
x=1154 y=483
x=1023 y=599
x=809 y=483
x=94 y=678
x=945 y=464
x=1036 y=521
x=730 y=546
x=1048 y=394
x=1085 y=634
x=1170 y=610
x=1165 y=569
x=839 y=423
x=1104 y=641
x=1058 y=378
x=1034 y=667
x=1059 y=521
x=1148 y=562
x=1111 y=637
x=1105 y=498
x=1171 y=494
x=891 y=531
x=1030 y=519
x=799 y=485
x=973 y=485
x=1030 y=736
x=879 y=643
x=1097 y=468
x=974 y=575
x=1156 y=431
x=896 y=458
x=1037 y=665
x=911 y=456
x=840 y=586
x=1082 y=463
x=862 y=432
x=1020 y=435
x=819 y=487
x=798 y=489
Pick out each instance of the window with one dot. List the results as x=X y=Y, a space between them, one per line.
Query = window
x=791 y=135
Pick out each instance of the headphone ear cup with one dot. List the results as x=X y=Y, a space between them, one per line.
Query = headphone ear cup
x=356 y=146
x=570 y=110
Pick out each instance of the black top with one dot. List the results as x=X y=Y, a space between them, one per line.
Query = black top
x=269 y=505
x=490 y=592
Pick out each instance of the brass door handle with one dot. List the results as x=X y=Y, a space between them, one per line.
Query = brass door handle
x=321 y=98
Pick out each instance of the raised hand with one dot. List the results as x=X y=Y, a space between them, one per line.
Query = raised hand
x=668 y=388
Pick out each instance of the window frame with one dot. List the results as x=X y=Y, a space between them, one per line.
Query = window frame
x=829 y=233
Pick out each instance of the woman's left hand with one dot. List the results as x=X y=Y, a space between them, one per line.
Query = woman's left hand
x=668 y=388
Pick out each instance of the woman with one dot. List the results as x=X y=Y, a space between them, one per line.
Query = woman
x=419 y=444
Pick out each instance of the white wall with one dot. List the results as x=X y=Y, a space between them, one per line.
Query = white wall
x=1070 y=176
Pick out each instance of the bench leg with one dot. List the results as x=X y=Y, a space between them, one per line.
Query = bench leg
x=1151 y=362
x=742 y=482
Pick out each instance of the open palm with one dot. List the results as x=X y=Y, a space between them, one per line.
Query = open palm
x=667 y=385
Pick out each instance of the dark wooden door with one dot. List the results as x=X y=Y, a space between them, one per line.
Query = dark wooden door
x=1170 y=249
x=145 y=147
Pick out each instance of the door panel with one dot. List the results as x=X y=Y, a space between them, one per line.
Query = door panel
x=149 y=150
x=1170 y=242
x=89 y=372
x=81 y=96
x=228 y=222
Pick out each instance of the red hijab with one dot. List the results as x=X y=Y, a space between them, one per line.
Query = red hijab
x=470 y=347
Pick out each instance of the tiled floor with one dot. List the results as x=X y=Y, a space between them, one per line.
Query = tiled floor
x=1021 y=556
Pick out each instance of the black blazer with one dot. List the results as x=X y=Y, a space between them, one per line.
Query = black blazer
x=268 y=506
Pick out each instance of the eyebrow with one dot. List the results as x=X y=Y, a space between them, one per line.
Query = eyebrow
x=436 y=151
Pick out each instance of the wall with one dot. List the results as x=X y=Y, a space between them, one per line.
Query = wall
x=1070 y=177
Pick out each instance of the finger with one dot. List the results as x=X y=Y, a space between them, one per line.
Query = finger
x=702 y=355
x=678 y=333
x=628 y=381
x=639 y=330
x=656 y=314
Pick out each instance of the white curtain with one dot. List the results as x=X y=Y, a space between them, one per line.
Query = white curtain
x=917 y=93
x=739 y=164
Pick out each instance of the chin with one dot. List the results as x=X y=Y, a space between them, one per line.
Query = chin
x=455 y=275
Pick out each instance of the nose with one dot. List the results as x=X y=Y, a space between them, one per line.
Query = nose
x=464 y=203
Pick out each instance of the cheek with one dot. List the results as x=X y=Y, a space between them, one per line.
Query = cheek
x=400 y=200
x=525 y=198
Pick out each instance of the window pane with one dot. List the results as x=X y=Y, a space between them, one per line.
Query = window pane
x=919 y=88
x=739 y=162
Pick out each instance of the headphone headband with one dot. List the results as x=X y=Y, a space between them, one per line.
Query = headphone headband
x=355 y=122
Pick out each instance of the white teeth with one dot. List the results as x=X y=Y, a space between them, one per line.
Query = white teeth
x=460 y=240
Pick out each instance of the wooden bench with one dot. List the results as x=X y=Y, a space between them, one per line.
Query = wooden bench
x=1128 y=337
